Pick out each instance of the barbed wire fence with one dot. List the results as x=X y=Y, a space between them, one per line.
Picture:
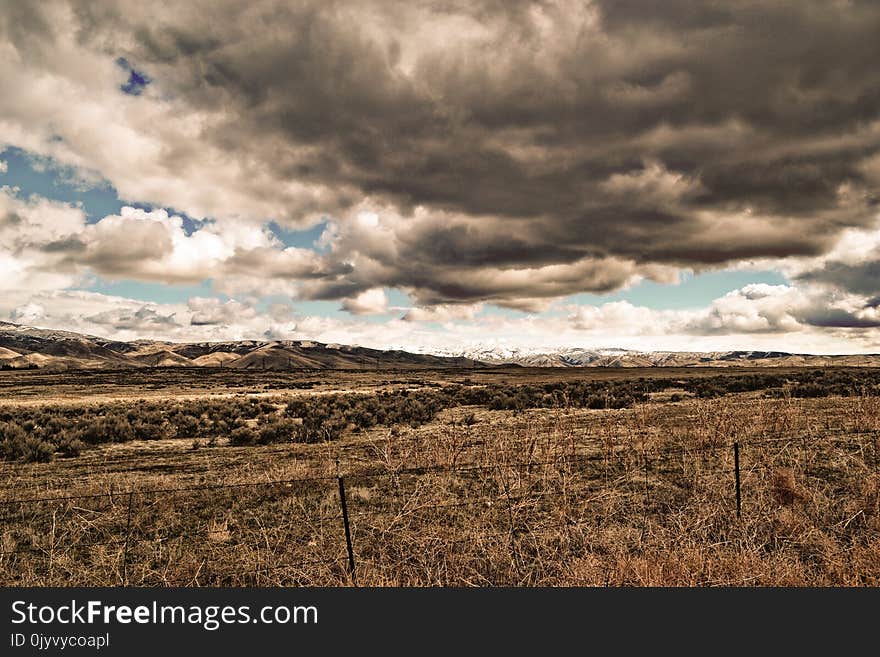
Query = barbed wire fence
x=127 y=535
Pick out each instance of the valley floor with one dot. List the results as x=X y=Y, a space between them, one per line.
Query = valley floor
x=644 y=495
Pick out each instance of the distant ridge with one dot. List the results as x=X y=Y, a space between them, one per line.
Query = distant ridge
x=578 y=357
x=27 y=347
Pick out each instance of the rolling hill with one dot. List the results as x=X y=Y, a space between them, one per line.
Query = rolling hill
x=26 y=347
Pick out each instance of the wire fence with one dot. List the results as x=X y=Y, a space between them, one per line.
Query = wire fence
x=337 y=524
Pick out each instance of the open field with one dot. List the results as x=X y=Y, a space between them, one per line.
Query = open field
x=485 y=477
x=78 y=386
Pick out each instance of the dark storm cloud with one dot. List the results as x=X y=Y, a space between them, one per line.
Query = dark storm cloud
x=862 y=278
x=468 y=247
x=837 y=318
x=10 y=219
x=440 y=285
x=682 y=133
x=24 y=24
x=67 y=246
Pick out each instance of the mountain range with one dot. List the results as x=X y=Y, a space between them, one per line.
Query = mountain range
x=26 y=347
x=580 y=357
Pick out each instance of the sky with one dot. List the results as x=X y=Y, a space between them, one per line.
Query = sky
x=445 y=175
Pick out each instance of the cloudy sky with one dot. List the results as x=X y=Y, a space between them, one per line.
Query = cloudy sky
x=441 y=174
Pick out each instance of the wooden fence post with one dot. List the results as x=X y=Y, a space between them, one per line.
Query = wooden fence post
x=736 y=475
x=345 y=524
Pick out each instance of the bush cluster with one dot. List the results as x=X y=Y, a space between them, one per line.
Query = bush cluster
x=39 y=433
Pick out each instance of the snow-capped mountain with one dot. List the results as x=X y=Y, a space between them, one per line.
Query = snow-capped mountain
x=611 y=357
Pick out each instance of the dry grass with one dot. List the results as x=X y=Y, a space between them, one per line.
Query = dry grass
x=640 y=496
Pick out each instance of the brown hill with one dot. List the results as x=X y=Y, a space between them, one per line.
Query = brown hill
x=162 y=358
x=29 y=347
x=215 y=359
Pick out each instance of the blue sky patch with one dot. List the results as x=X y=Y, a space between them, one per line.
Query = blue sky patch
x=154 y=292
x=397 y=298
x=695 y=290
x=137 y=81
x=302 y=239
x=44 y=177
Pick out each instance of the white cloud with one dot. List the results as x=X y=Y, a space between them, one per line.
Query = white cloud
x=30 y=313
x=154 y=246
x=756 y=308
x=208 y=311
x=27 y=227
x=4 y=166
x=145 y=320
x=48 y=245
x=616 y=316
x=369 y=302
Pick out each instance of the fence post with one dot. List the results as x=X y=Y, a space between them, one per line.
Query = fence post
x=127 y=534
x=347 y=528
x=736 y=475
x=645 y=493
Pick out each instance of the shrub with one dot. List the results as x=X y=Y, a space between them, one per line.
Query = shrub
x=243 y=436
x=111 y=428
x=187 y=426
x=69 y=445
x=36 y=450
x=17 y=444
x=281 y=431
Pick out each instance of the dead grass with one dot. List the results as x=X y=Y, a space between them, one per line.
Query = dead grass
x=630 y=497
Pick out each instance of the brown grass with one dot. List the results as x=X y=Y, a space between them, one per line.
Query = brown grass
x=633 y=497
